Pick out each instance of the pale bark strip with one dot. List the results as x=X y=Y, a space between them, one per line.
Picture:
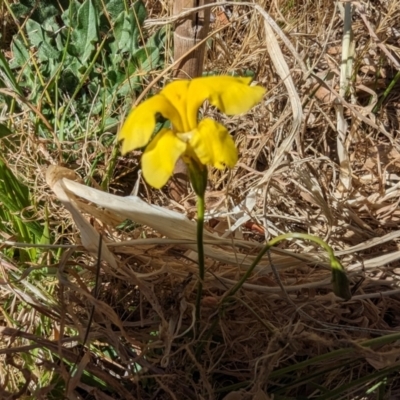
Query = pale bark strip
x=343 y=141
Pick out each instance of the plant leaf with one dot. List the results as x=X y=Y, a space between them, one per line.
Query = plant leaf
x=40 y=39
x=8 y=75
x=85 y=33
x=127 y=30
x=38 y=10
x=115 y=8
x=4 y=131
x=20 y=53
x=14 y=196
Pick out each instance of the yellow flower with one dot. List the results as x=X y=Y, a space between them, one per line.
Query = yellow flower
x=207 y=141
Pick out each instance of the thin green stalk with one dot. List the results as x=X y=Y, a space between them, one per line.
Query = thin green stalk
x=386 y=92
x=200 y=251
x=110 y=169
x=198 y=178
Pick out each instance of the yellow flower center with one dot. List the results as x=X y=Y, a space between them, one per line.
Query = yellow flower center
x=185 y=137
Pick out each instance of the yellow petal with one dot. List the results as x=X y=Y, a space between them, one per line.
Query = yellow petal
x=160 y=157
x=213 y=145
x=231 y=95
x=176 y=93
x=139 y=126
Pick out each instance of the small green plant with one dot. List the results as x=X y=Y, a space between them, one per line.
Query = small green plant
x=16 y=212
x=82 y=63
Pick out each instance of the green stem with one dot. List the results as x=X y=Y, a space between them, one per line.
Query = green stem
x=386 y=92
x=112 y=162
x=200 y=251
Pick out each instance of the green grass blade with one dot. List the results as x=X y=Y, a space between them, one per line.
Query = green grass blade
x=7 y=76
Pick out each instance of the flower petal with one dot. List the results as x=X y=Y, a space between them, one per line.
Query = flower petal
x=231 y=95
x=139 y=126
x=176 y=93
x=213 y=145
x=160 y=157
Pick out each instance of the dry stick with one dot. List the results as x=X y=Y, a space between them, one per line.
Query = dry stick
x=22 y=100
x=396 y=63
x=189 y=32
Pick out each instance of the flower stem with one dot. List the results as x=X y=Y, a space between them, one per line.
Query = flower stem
x=200 y=251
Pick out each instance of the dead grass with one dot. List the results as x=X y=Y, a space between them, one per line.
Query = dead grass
x=144 y=307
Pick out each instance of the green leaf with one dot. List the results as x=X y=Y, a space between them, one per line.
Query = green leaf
x=123 y=35
x=85 y=34
x=38 y=10
x=127 y=28
x=147 y=58
x=132 y=84
x=158 y=39
x=69 y=15
x=115 y=8
x=4 y=131
x=45 y=238
x=8 y=74
x=40 y=39
x=14 y=197
x=52 y=30
x=140 y=12
x=20 y=53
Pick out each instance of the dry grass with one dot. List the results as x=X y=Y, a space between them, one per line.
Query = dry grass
x=290 y=178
